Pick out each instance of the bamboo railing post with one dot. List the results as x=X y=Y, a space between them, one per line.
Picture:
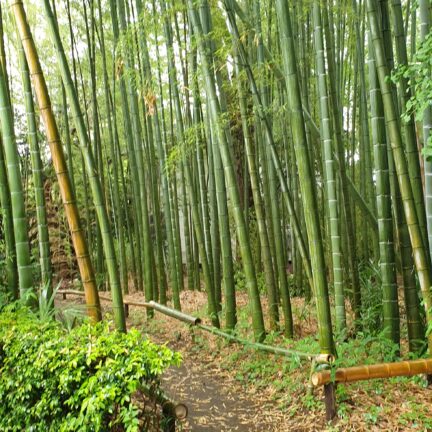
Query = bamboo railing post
x=330 y=400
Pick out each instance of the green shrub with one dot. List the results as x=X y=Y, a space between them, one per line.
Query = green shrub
x=88 y=379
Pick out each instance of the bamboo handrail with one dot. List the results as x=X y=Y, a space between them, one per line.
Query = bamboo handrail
x=195 y=321
x=263 y=347
x=188 y=319
x=367 y=372
x=80 y=294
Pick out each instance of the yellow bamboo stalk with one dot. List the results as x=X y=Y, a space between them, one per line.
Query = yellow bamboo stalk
x=380 y=370
x=59 y=162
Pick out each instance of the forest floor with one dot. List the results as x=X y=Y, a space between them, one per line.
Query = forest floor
x=229 y=387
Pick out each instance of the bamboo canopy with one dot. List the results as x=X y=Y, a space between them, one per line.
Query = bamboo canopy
x=381 y=370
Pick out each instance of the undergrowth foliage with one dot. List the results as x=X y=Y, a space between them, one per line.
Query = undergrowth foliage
x=88 y=379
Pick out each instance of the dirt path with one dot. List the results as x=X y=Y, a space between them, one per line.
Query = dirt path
x=211 y=406
x=215 y=402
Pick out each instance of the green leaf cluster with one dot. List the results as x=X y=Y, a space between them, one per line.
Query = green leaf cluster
x=89 y=379
x=419 y=73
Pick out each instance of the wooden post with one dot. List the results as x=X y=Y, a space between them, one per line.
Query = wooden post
x=330 y=400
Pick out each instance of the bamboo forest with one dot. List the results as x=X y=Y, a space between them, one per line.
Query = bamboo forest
x=216 y=215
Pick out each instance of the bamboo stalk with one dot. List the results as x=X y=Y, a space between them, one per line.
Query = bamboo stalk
x=232 y=186
x=14 y=178
x=38 y=181
x=58 y=158
x=384 y=212
x=127 y=115
x=199 y=217
x=7 y=216
x=331 y=187
x=420 y=254
x=307 y=187
x=92 y=172
x=196 y=321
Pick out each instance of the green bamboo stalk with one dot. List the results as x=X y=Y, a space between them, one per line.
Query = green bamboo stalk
x=197 y=219
x=420 y=256
x=6 y=209
x=214 y=227
x=347 y=212
x=165 y=177
x=137 y=147
x=425 y=26
x=175 y=212
x=225 y=239
x=202 y=195
x=113 y=158
x=416 y=330
x=67 y=135
x=7 y=221
x=306 y=178
x=38 y=181
x=188 y=116
x=365 y=144
x=95 y=140
x=335 y=234
x=384 y=213
x=230 y=177
x=274 y=234
x=125 y=213
x=160 y=283
x=221 y=194
x=410 y=139
x=126 y=113
x=25 y=270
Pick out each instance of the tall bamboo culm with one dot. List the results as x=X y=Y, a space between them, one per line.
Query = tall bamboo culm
x=92 y=172
x=320 y=288
x=12 y=159
x=59 y=162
